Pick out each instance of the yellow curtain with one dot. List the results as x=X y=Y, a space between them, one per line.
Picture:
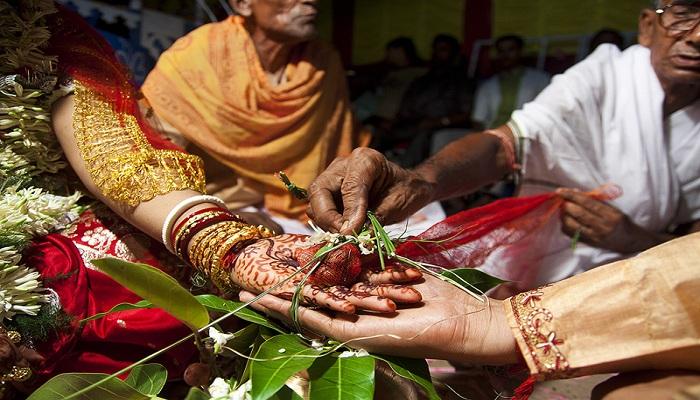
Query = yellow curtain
x=379 y=21
x=564 y=17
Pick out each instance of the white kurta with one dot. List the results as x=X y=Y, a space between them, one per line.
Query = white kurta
x=602 y=122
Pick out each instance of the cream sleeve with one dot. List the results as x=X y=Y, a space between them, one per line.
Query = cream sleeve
x=637 y=314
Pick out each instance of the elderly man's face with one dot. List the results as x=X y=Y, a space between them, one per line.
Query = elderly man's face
x=285 y=21
x=675 y=54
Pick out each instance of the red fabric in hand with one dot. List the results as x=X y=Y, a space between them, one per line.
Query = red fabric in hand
x=466 y=239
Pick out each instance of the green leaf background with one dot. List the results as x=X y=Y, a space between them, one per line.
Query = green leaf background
x=158 y=288
x=350 y=378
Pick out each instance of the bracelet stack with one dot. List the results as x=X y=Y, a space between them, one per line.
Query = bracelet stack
x=210 y=238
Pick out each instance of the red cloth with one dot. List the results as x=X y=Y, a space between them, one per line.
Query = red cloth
x=520 y=226
x=117 y=340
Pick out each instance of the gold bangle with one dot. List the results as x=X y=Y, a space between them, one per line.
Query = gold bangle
x=14 y=336
x=197 y=241
x=220 y=274
x=191 y=223
x=17 y=374
x=209 y=244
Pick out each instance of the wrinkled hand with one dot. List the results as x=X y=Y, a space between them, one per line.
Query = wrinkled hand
x=341 y=195
x=601 y=225
x=449 y=325
x=19 y=356
x=267 y=262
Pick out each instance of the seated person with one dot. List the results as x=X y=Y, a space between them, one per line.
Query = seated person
x=606 y=36
x=379 y=106
x=509 y=90
x=628 y=118
x=438 y=100
x=253 y=95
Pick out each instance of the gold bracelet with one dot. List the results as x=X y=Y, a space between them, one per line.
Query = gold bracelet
x=195 y=245
x=191 y=223
x=207 y=245
x=17 y=374
x=219 y=273
x=14 y=336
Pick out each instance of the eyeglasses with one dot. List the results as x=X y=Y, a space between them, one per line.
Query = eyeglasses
x=679 y=18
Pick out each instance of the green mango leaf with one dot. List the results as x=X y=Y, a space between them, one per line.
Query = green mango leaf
x=148 y=379
x=243 y=340
x=413 y=369
x=61 y=386
x=286 y=394
x=215 y=303
x=348 y=378
x=481 y=280
x=276 y=361
x=119 y=307
x=197 y=394
x=157 y=287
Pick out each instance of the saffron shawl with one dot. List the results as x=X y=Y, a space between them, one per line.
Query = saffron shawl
x=211 y=87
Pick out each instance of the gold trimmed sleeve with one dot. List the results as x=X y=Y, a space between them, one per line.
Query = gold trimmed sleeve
x=636 y=314
x=120 y=160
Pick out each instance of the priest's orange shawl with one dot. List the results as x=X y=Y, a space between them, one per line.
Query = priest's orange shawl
x=211 y=87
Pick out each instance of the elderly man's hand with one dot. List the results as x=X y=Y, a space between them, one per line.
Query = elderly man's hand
x=601 y=225
x=449 y=325
x=267 y=262
x=341 y=196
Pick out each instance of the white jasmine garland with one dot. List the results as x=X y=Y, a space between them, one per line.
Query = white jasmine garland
x=220 y=339
x=353 y=353
x=221 y=389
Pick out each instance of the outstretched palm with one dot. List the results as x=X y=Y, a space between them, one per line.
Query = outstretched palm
x=268 y=262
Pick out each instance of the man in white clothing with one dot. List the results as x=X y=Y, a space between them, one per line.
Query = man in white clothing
x=513 y=86
x=628 y=118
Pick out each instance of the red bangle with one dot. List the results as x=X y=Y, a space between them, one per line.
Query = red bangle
x=179 y=226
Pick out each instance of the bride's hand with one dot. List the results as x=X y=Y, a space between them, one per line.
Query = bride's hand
x=449 y=325
x=267 y=262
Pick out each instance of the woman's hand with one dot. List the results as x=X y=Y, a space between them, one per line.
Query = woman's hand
x=449 y=324
x=262 y=265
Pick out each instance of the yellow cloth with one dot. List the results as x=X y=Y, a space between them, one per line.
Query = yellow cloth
x=637 y=314
x=211 y=87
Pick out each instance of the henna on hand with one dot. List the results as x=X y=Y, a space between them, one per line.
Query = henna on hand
x=340 y=283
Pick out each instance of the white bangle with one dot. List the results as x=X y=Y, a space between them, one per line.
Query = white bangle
x=180 y=209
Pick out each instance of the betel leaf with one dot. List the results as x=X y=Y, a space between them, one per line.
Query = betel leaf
x=119 y=307
x=276 y=361
x=157 y=287
x=243 y=339
x=286 y=394
x=413 y=369
x=346 y=378
x=214 y=303
x=197 y=394
x=477 y=279
x=61 y=386
x=148 y=379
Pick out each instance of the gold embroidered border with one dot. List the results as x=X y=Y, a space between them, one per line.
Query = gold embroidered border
x=121 y=162
x=538 y=332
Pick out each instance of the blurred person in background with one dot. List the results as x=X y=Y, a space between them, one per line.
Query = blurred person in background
x=255 y=94
x=508 y=90
x=437 y=100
